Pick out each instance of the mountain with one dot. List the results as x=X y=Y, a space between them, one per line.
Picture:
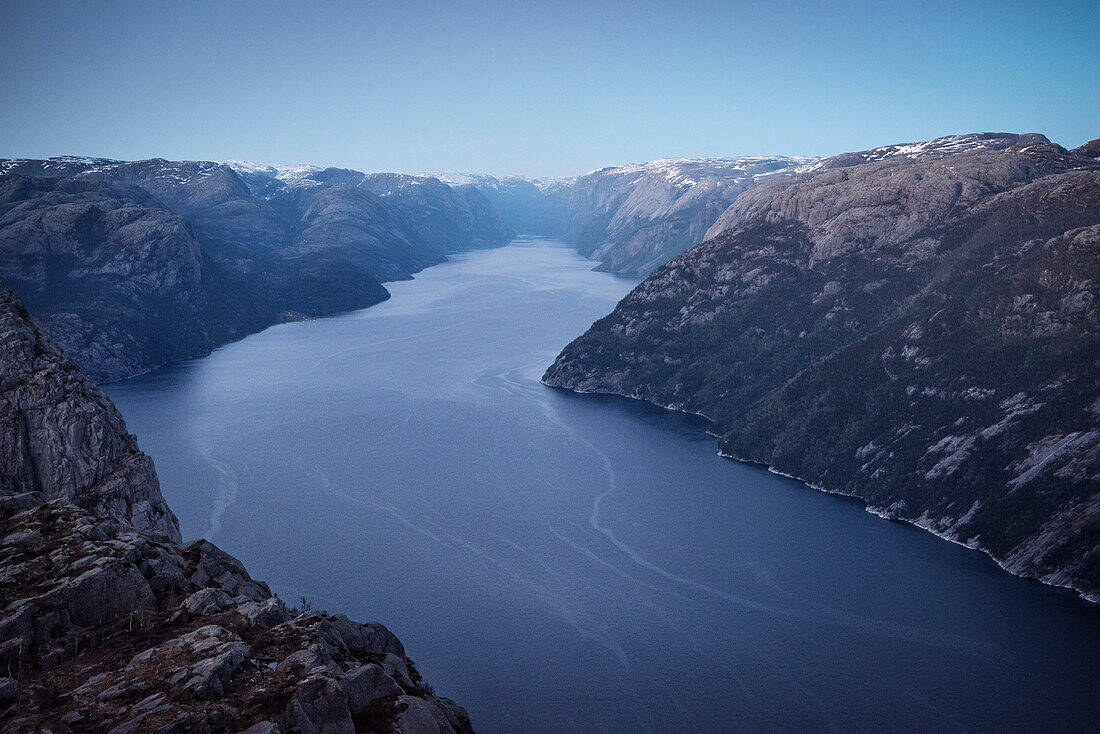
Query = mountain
x=456 y=217
x=448 y=218
x=120 y=280
x=631 y=218
x=355 y=226
x=132 y=264
x=229 y=222
x=635 y=218
x=109 y=624
x=915 y=325
x=537 y=206
x=248 y=232
x=61 y=438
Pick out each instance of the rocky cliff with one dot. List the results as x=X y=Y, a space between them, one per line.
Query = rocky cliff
x=638 y=217
x=917 y=325
x=109 y=624
x=61 y=438
x=119 y=280
x=134 y=264
x=446 y=218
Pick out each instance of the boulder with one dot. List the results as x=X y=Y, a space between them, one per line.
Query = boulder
x=206 y=601
x=9 y=691
x=422 y=717
x=319 y=708
x=365 y=685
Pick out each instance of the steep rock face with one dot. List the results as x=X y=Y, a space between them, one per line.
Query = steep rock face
x=452 y=218
x=62 y=438
x=636 y=218
x=229 y=222
x=357 y=227
x=537 y=206
x=119 y=280
x=134 y=264
x=444 y=218
x=918 y=326
x=108 y=628
x=248 y=232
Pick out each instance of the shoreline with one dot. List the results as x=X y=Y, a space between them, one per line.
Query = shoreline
x=920 y=523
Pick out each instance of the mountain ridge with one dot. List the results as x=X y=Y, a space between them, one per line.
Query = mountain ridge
x=634 y=218
x=108 y=622
x=912 y=331
x=134 y=264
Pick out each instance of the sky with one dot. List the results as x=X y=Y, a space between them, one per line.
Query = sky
x=540 y=88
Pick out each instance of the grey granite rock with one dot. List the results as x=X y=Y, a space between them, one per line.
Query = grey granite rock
x=62 y=438
x=635 y=218
x=365 y=685
x=206 y=601
x=108 y=627
x=917 y=325
x=9 y=691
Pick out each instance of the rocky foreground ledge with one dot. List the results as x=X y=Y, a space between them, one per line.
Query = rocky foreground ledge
x=109 y=624
x=106 y=629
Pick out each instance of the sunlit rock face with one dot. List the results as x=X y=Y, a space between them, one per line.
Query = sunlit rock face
x=917 y=325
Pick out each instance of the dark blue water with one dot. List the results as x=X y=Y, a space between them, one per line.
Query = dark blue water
x=558 y=562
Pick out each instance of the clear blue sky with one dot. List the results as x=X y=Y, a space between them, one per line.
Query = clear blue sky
x=540 y=88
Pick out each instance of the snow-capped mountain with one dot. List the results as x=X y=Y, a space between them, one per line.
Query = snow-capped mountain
x=917 y=325
x=528 y=205
x=485 y=181
x=636 y=217
x=938 y=147
x=450 y=218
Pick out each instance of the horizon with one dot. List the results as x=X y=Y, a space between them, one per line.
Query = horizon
x=236 y=162
x=533 y=90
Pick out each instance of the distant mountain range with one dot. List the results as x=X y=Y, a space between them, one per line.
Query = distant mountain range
x=917 y=325
x=631 y=218
x=635 y=218
x=133 y=264
x=538 y=206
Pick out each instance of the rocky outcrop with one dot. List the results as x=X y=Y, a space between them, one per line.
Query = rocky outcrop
x=916 y=325
x=61 y=438
x=105 y=627
x=636 y=218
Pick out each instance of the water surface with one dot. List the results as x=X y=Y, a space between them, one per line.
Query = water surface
x=557 y=562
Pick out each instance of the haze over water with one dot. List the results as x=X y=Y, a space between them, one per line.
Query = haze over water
x=557 y=562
